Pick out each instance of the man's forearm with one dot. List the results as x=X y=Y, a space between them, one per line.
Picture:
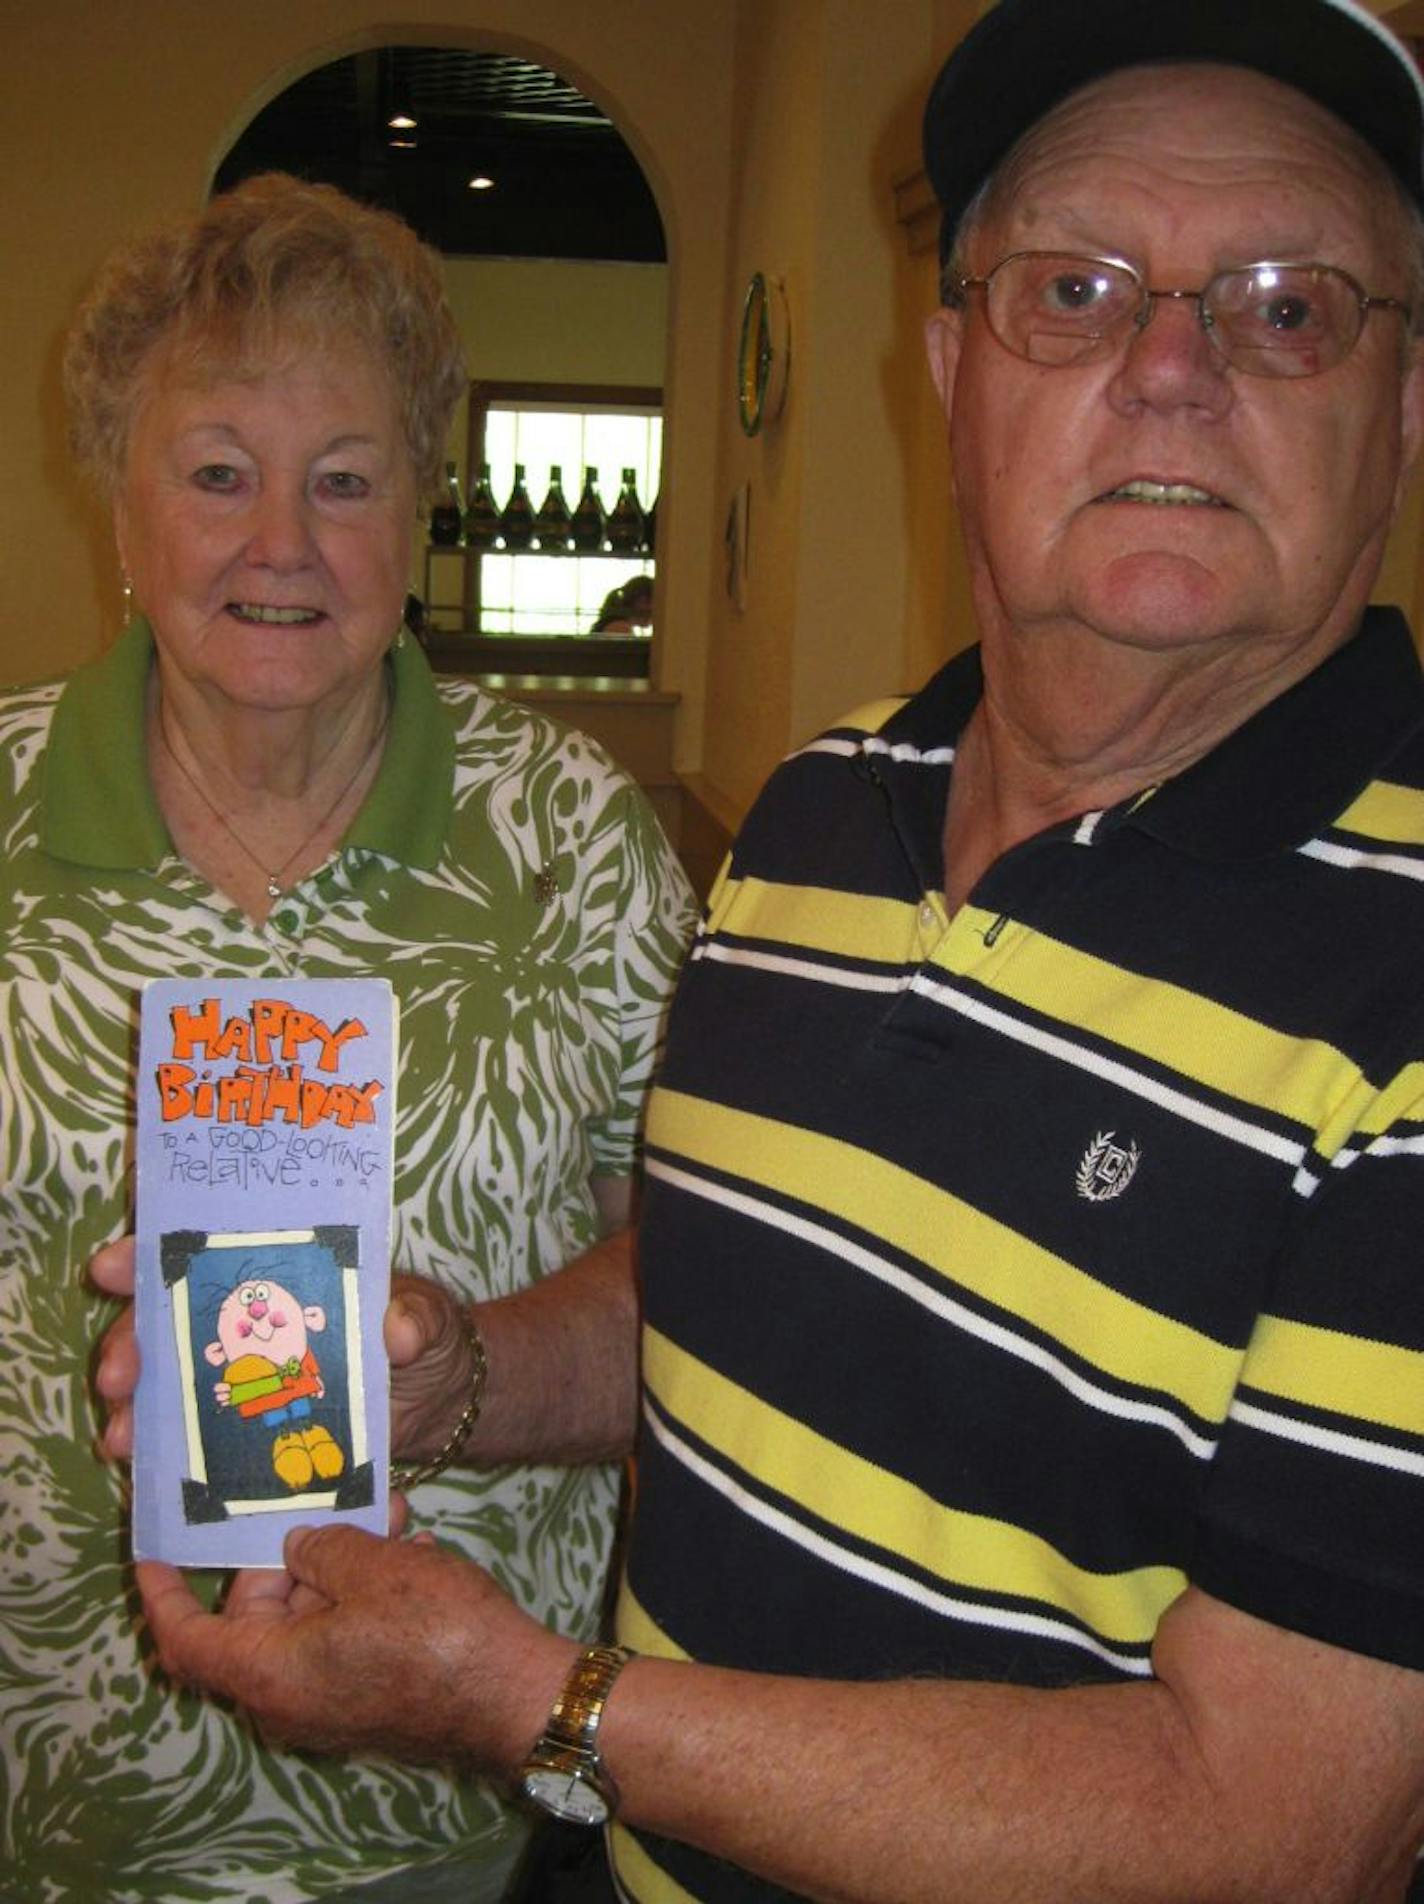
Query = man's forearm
x=1259 y=1767
x=910 y=1793
x=1279 y=1770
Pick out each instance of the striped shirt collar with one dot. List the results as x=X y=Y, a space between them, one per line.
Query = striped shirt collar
x=1270 y=785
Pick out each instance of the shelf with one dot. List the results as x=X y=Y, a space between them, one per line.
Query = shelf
x=548 y=555
x=620 y=657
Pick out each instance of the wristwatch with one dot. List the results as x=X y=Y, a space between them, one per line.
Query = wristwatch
x=564 y=1774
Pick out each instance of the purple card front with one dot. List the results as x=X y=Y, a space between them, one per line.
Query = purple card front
x=266 y=1116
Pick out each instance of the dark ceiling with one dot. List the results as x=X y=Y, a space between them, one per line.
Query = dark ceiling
x=566 y=186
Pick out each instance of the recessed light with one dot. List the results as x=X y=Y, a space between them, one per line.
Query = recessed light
x=401 y=122
x=482 y=182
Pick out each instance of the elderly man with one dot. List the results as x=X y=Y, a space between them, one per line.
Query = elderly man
x=1032 y=1449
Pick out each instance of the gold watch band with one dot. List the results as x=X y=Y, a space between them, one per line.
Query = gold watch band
x=564 y=1774
x=575 y=1715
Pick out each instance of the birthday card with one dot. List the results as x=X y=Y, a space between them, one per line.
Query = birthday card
x=266 y=1114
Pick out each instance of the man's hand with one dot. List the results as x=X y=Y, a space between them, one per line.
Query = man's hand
x=368 y=1645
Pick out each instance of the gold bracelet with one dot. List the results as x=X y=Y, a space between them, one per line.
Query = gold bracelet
x=459 y=1434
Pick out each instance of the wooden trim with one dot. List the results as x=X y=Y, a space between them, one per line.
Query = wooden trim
x=917 y=212
x=709 y=823
x=727 y=813
x=620 y=656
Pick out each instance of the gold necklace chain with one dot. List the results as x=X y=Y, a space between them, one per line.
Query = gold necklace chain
x=272 y=876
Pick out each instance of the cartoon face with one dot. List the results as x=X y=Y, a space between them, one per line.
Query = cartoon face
x=260 y=1317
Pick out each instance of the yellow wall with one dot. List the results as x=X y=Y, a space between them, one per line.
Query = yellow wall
x=773 y=133
x=558 y=320
x=114 y=115
x=827 y=114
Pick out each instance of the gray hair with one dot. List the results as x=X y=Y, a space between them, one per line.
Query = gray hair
x=273 y=268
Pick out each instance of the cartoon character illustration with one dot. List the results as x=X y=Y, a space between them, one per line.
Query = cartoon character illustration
x=270 y=1376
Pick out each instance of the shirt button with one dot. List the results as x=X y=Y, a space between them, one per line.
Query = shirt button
x=927 y=916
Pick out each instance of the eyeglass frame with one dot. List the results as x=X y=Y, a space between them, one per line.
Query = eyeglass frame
x=955 y=287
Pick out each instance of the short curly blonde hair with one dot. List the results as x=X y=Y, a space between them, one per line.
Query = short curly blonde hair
x=265 y=272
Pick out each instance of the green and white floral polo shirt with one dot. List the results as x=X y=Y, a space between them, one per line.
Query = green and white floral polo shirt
x=515 y=889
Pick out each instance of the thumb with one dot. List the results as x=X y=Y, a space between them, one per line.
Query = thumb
x=420 y=1314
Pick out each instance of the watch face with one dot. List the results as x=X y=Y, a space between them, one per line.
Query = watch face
x=566 y=1793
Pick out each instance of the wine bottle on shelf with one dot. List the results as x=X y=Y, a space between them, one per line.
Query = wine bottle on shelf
x=447 y=518
x=553 y=525
x=588 y=519
x=650 y=527
x=516 y=524
x=482 y=515
x=625 y=521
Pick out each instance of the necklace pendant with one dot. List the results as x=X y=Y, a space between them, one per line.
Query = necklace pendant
x=274 y=891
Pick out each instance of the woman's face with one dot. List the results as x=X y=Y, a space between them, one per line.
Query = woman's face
x=266 y=527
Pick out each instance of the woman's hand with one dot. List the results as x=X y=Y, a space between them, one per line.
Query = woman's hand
x=431 y=1365
x=116 y=1372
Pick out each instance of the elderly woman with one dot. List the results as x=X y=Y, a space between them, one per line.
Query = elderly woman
x=262 y=776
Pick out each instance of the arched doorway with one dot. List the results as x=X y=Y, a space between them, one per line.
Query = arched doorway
x=556 y=263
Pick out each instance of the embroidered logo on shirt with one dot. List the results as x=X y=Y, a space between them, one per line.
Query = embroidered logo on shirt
x=1106 y=1169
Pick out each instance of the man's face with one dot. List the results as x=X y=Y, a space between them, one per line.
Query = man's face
x=1286 y=487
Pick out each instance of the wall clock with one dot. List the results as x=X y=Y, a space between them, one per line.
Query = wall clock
x=763 y=353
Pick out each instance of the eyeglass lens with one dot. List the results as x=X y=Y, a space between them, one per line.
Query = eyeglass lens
x=1269 y=320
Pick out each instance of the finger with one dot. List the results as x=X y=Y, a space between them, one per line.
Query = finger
x=259 y=1593
x=334 y=1560
x=420 y=1315
x=399 y=1516
x=270 y=1593
x=180 y=1626
x=116 y=1376
x=112 y=1267
x=115 y=1379
x=404 y=1334
x=116 y=1438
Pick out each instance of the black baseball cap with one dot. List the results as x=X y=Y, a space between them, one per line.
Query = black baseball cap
x=1025 y=56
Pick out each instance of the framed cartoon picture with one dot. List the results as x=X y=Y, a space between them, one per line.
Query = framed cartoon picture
x=266 y=1118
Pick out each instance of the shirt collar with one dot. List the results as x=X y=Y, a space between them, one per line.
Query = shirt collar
x=1299 y=761
x=1272 y=783
x=97 y=806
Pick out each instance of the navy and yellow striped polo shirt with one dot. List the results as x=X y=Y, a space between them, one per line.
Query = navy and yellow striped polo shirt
x=1005 y=1272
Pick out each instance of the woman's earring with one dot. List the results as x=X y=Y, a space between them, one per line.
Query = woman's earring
x=128 y=598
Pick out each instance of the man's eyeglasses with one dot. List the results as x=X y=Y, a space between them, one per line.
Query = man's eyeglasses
x=1269 y=320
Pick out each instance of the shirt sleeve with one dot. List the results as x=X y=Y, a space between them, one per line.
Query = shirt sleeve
x=1314 y=1512
x=654 y=913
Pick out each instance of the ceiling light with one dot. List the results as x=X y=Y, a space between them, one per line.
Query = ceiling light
x=401 y=145
x=401 y=122
x=482 y=182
